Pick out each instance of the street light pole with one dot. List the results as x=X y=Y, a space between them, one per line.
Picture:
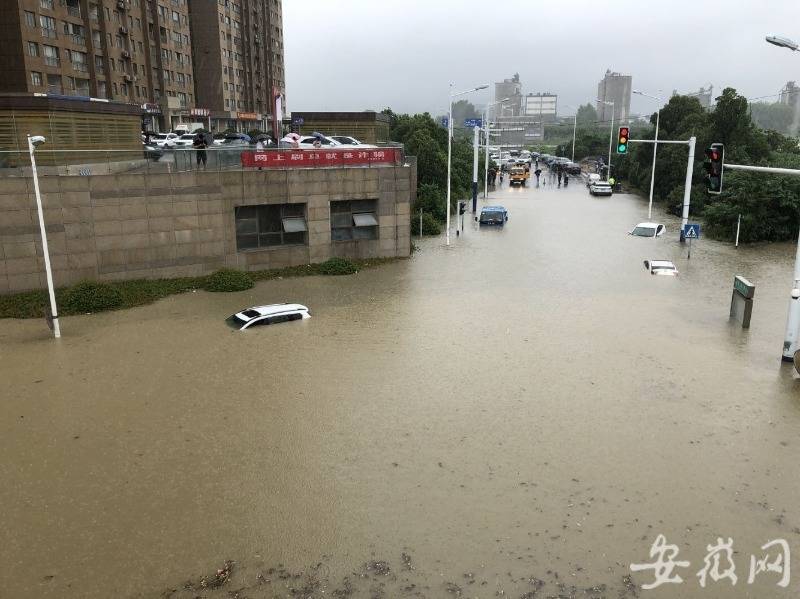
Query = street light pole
x=655 y=150
x=574 y=131
x=486 y=143
x=450 y=148
x=610 y=136
x=32 y=143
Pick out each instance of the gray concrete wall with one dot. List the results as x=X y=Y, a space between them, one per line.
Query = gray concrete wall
x=114 y=227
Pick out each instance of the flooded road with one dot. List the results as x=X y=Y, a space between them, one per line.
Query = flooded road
x=520 y=414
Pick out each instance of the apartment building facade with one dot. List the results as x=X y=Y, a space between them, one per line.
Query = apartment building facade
x=135 y=51
x=614 y=97
x=238 y=49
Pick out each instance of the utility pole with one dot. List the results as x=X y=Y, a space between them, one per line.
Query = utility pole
x=687 y=190
x=475 y=144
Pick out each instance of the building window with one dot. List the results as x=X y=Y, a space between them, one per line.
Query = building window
x=36 y=78
x=46 y=4
x=270 y=225
x=354 y=219
x=30 y=19
x=33 y=49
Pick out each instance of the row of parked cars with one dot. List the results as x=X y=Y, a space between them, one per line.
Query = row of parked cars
x=170 y=141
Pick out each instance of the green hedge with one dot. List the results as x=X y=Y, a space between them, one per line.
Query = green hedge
x=228 y=279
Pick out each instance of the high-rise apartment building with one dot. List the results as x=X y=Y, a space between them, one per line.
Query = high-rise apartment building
x=790 y=94
x=542 y=105
x=135 y=51
x=511 y=91
x=238 y=50
x=614 y=88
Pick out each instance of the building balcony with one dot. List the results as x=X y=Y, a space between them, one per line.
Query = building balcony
x=78 y=40
x=74 y=11
x=80 y=66
x=55 y=89
x=52 y=61
x=49 y=33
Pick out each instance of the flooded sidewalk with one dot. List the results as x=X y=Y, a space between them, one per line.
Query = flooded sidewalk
x=522 y=412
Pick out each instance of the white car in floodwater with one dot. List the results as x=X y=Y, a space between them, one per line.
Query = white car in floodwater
x=661 y=267
x=648 y=230
x=270 y=314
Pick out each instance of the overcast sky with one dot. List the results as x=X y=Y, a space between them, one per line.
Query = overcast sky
x=369 y=54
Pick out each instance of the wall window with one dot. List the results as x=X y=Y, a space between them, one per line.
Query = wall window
x=33 y=49
x=30 y=19
x=354 y=219
x=270 y=225
x=36 y=78
x=46 y=4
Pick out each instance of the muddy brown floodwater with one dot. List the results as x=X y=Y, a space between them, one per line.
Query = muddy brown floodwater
x=520 y=415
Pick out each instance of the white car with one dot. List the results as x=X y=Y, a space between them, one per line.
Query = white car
x=269 y=314
x=346 y=140
x=661 y=267
x=648 y=230
x=184 y=141
x=164 y=140
x=307 y=142
x=600 y=188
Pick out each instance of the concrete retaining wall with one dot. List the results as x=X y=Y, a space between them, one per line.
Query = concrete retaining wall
x=113 y=227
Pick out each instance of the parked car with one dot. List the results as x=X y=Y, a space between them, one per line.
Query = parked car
x=152 y=152
x=493 y=215
x=269 y=314
x=307 y=142
x=185 y=141
x=648 y=230
x=346 y=140
x=573 y=168
x=660 y=267
x=164 y=140
x=600 y=188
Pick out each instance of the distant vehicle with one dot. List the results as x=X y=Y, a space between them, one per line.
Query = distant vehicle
x=270 y=314
x=573 y=168
x=600 y=188
x=519 y=175
x=188 y=127
x=307 y=142
x=185 y=141
x=648 y=230
x=346 y=140
x=592 y=178
x=164 y=140
x=493 y=215
x=661 y=267
x=152 y=152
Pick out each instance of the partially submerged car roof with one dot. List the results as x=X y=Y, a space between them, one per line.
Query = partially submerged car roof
x=493 y=208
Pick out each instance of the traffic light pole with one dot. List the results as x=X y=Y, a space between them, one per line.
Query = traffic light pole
x=792 y=335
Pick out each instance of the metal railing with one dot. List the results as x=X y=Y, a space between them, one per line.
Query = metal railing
x=85 y=162
x=49 y=33
x=52 y=61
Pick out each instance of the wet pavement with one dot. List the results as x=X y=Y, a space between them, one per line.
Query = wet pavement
x=520 y=414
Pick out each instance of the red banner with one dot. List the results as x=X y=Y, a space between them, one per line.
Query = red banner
x=319 y=158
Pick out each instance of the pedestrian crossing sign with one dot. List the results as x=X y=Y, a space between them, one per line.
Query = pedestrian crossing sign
x=691 y=231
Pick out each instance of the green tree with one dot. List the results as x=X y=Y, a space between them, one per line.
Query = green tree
x=586 y=115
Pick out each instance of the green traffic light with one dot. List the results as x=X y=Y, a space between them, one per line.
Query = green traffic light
x=622 y=149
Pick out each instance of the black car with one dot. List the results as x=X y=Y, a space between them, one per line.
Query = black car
x=493 y=215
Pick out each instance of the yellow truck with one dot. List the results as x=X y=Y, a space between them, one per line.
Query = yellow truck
x=519 y=175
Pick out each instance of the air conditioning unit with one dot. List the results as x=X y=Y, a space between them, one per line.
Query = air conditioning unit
x=123 y=30
x=121 y=4
x=126 y=54
x=128 y=78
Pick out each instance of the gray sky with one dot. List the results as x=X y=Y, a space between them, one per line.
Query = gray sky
x=369 y=54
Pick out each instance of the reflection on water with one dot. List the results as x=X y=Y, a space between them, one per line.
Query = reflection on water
x=526 y=405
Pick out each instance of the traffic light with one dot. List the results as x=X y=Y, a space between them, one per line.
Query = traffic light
x=715 y=155
x=622 y=140
x=462 y=207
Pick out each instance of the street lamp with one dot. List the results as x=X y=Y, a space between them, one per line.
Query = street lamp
x=655 y=149
x=450 y=146
x=33 y=143
x=574 y=128
x=610 y=135
x=486 y=158
x=782 y=42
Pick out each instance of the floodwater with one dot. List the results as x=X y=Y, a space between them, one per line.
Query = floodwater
x=520 y=414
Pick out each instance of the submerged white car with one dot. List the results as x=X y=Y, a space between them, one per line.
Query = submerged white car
x=648 y=230
x=661 y=267
x=600 y=188
x=270 y=314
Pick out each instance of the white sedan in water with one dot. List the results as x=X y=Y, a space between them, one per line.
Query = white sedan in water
x=661 y=267
x=270 y=314
x=648 y=230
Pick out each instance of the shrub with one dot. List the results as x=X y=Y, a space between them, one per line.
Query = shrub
x=338 y=266
x=228 y=279
x=91 y=296
x=430 y=226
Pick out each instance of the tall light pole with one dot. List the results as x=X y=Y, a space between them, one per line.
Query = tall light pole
x=450 y=147
x=610 y=136
x=486 y=158
x=655 y=149
x=792 y=335
x=33 y=143
x=574 y=128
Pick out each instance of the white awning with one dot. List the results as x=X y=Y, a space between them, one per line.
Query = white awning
x=294 y=225
x=365 y=219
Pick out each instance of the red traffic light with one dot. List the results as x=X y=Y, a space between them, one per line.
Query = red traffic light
x=623 y=132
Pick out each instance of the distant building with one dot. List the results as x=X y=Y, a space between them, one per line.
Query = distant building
x=542 y=105
x=615 y=88
x=516 y=132
x=790 y=94
x=511 y=89
x=704 y=96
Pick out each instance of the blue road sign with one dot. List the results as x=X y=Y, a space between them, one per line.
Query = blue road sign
x=444 y=121
x=691 y=231
x=298 y=120
x=473 y=122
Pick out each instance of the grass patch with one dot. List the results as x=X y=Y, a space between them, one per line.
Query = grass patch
x=90 y=296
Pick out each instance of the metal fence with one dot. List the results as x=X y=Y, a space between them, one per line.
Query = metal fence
x=72 y=162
